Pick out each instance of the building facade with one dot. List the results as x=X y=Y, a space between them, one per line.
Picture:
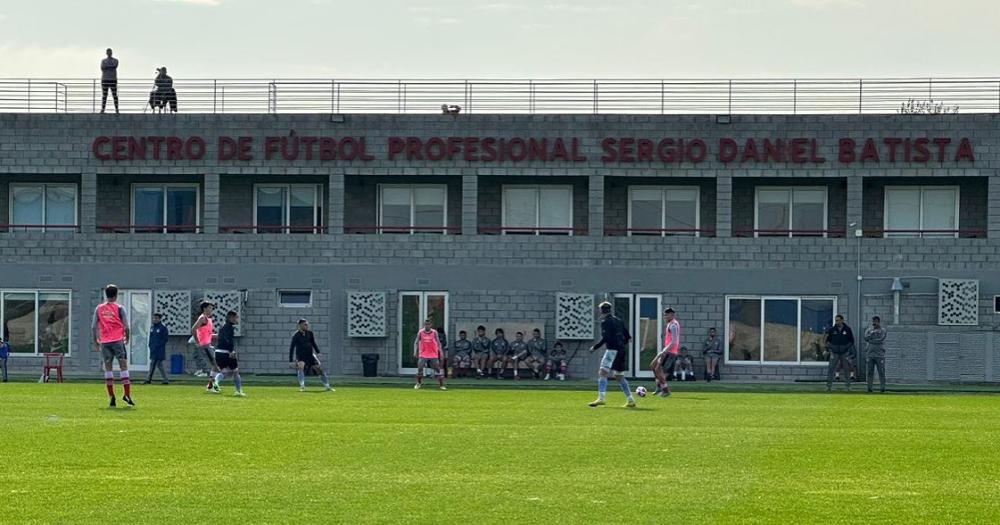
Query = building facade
x=763 y=227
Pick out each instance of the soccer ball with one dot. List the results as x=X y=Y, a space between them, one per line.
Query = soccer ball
x=640 y=391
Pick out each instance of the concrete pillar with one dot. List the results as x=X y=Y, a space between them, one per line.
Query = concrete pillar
x=595 y=207
x=335 y=203
x=855 y=189
x=88 y=202
x=470 y=205
x=210 y=208
x=724 y=206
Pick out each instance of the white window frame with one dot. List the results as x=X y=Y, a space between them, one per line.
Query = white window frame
x=921 y=189
x=294 y=290
x=537 y=230
x=163 y=186
x=663 y=206
x=791 y=209
x=286 y=227
x=407 y=346
x=798 y=328
x=36 y=292
x=413 y=208
x=44 y=186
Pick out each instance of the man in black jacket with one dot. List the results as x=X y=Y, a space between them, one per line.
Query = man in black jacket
x=303 y=354
x=615 y=360
x=840 y=342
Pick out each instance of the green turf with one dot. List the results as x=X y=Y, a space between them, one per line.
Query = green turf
x=394 y=455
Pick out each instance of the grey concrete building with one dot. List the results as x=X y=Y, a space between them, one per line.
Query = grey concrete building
x=486 y=219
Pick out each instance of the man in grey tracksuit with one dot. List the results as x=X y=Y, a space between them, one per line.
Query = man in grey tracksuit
x=875 y=337
x=839 y=340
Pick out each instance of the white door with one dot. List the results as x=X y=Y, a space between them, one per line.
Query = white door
x=139 y=308
x=414 y=307
x=641 y=314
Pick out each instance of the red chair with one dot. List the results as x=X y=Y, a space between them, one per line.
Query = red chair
x=53 y=361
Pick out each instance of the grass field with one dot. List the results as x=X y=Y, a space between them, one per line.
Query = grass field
x=394 y=455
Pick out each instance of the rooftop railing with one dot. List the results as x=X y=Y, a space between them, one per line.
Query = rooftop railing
x=485 y=96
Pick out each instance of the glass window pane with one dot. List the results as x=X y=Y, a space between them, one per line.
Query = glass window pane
x=27 y=205
x=139 y=318
x=302 y=208
x=396 y=207
x=647 y=210
x=902 y=211
x=744 y=329
x=649 y=331
x=148 y=206
x=60 y=205
x=939 y=211
x=816 y=317
x=773 y=215
x=270 y=206
x=429 y=204
x=411 y=323
x=182 y=208
x=519 y=207
x=781 y=318
x=681 y=211
x=556 y=207
x=808 y=211
x=53 y=322
x=19 y=321
x=294 y=297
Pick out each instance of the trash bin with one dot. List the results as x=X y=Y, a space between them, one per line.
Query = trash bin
x=370 y=364
x=176 y=364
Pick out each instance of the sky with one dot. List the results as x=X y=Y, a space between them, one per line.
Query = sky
x=501 y=38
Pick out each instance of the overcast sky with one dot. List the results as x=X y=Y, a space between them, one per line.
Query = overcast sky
x=502 y=38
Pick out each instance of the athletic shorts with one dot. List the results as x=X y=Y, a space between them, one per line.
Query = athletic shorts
x=713 y=355
x=462 y=359
x=614 y=360
x=226 y=360
x=427 y=362
x=667 y=360
x=112 y=351
x=534 y=359
x=209 y=352
x=495 y=356
x=309 y=360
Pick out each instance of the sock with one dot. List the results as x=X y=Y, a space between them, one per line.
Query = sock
x=219 y=377
x=562 y=369
x=625 y=388
x=302 y=379
x=440 y=380
x=126 y=383
x=211 y=381
x=548 y=368
x=109 y=382
x=238 y=381
x=602 y=388
x=420 y=378
x=326 y=379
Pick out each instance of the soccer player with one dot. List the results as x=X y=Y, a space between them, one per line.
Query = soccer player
x=875 y=337
x=111 y=332
x=556 y=360
x=158 y=334
x=840 y=339
x=499 y=348
x=518 y=352
x=462 y=358
x=4 y=352
x=225 y=354
x=712 y=350
x=427 y=351
x=668 y=355
x=537 y=353
x=481 y=351
x=303 y=352
x=203 y=332
x=615 y=360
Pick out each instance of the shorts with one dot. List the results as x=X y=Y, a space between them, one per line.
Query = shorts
x=462 y=360
x=112 y=351
x=713 y=355
x=667 y=360
x=309 y=360
x=532 y=358
x=226 y=361
x=110 y=83
x=496 y=356
x=428 y=362
x=614 y=360
x=209 y=352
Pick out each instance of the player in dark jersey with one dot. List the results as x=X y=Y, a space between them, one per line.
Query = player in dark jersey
x=303 y=352
x=481 y=351
x=461 y=355
x=225 y=353
x=615 y=360
x=499 y=350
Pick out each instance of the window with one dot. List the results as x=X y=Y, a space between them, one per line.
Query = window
x=790 y=212
x=295 y=298
x=778 y=329
x=663 y=210
x=413 y=209
x=537 y=210
x=36 y=321
x=165 y=208
x=921 y=211
x=295 y=208
x=43 y=206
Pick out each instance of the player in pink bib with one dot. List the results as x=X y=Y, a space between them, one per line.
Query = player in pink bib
x=668 y=355
x=427 y=351
x=202 y=333
x=111 y=332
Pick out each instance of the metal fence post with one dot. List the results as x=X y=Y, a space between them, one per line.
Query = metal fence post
x=861 y=85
